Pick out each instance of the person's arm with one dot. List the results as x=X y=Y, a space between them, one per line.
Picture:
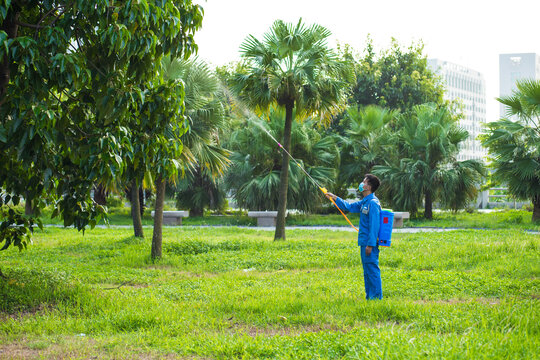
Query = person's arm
x=344 y=205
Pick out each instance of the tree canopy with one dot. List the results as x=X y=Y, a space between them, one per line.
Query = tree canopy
x=79 y=82
x=397 y=78
x=203 y=156
x=421 y=162
x=513 y=143
x=253 y=178
x=363 y=145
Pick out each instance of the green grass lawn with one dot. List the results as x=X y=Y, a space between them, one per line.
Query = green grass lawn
x=234 y=293
x=503 y=219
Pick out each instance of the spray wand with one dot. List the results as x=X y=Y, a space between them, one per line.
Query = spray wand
x=323 y=189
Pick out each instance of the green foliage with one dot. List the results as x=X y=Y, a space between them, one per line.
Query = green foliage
x=115 y=201
x=293 y=66
x=81 y=99
x=397 y=79
x=18 y=231
x=461 y=182
x=205 y=112
x=421 y=162
x=226 y=73
x=256 y=164
x=203 y=156
x=198 y=191
x=227 y=293
x=514 y=144
x=367 y=132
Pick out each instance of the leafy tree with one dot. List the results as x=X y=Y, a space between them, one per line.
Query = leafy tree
x=513 y=143
x=397 y=79
x=292 y=68
x=226 y=73
x=365 y=142
x=254 y=177
x=427 y=143
x=77 y=81
x=203 y=156
x=162 y=129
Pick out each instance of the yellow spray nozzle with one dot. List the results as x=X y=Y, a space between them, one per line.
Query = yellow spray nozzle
x=323 y=190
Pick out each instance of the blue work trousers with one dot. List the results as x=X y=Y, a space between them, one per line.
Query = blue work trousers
x=372 y=273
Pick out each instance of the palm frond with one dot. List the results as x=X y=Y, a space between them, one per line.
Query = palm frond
x=514 y=144
x=253 y=178
x=293 y=62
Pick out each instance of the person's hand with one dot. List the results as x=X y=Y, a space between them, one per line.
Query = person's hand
x=368 y=250
x=331 y=196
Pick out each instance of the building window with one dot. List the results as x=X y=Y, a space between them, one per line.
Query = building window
x=516 y=60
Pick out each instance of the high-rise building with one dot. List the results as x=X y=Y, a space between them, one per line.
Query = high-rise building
x=513 y=67
x=468 y=87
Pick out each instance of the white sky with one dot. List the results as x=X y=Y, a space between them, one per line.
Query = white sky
x=471 y=33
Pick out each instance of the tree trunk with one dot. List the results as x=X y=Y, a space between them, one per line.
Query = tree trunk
x=135 y=210
x=536 y=209
x=141 y=200
x=28 y=208
x=100 y=194
x=194 y=211
x=428 y=207
x=158 y=218
x=284 y=177
x=9 y=25
x=211 y=199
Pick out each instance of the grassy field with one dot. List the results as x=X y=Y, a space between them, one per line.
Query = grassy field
x=503 y=219
x=234 y=293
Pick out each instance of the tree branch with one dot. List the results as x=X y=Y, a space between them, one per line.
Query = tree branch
x=38 y=26
x=87 y=59
x=119 y=286
x=46 y=16
x=49 y=13
x=57 y=17
x=33 y=26
x=10 y=26
x=67 y=110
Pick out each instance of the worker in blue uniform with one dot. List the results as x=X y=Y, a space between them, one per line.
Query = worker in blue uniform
x=370 y=209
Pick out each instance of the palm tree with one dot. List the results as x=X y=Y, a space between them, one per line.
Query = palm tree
x=294 y=69
x=365 y=142
x=203 y=156
x=514 y=144
x=254 y=175
x=428 y=142
x=198 y=190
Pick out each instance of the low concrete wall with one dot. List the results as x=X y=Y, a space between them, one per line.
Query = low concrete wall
x=399 y=217
x=173 y=217
x=264 y=218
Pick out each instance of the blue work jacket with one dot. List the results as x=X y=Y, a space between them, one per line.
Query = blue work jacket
x=370 y=213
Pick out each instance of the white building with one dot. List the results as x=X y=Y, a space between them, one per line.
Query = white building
x=513 y=67
x=469 y=88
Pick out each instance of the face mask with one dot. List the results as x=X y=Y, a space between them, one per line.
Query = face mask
x=361 y=187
